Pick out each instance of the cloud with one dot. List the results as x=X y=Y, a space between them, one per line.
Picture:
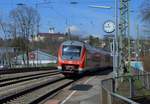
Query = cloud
x=73 y=29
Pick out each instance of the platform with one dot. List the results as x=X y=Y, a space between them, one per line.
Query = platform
x=85 y=91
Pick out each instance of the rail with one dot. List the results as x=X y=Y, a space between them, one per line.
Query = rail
x=25 y=69
x=123 y=89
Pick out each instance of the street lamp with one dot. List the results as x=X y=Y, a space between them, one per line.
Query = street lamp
x=100 y=6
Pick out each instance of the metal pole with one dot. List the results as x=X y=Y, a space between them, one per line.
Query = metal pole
x=138 y=45
x=115 y=49
x=36 y=6
x=121 y=36
x=129 y=45
x=131 y=83
x=124 y=32
x=69 y=33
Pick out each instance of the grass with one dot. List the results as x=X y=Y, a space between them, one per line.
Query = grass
x=52 y=64
x=139 y=88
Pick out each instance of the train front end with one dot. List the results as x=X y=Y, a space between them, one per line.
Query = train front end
x=71 y=57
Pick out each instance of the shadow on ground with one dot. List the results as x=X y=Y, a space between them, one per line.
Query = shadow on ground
x=92 y=72
x=100 y=71
x=81 y=87
x=143 y=100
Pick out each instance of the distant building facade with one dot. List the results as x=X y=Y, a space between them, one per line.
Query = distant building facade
x=6 y=54
x=50 y=35
x=35 y=57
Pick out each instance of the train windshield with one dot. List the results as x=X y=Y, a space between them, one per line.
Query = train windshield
x=71 y=52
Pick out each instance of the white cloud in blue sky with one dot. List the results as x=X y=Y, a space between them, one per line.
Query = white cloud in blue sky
x=73 y=29
x=61 y=14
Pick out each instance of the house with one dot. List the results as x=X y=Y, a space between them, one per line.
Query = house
x=35 y=58
x=51 y=36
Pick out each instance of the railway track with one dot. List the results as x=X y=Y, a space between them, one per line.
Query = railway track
x=32 y=88
x=21 y=78
x=40 y=95
x=24 y=69
x=10 y=76
x=32 y=91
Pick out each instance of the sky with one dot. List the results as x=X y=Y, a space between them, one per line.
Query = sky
x=81 y=18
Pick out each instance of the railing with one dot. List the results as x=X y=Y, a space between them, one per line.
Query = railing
x=121 y=90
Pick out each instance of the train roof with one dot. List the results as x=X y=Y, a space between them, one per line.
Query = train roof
x=70 y=42
x=87 y=46
x=96 y=50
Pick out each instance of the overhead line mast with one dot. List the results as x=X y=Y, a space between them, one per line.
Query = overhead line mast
x=124 y=36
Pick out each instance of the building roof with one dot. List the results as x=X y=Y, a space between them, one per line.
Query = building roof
x=37 y=55
x=50 y=34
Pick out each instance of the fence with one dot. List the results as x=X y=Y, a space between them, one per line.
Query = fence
x=121 y=90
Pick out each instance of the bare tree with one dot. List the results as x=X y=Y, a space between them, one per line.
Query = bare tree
x=4 y=28
x=24 y=20
x=145 y=14
x=145 y=10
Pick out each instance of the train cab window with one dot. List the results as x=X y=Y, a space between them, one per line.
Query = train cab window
x=71 y=52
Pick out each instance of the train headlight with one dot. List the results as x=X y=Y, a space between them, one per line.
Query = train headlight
x=59 y=67
x=80 y=69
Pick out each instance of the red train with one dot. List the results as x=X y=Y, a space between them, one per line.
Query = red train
x=78 y=57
